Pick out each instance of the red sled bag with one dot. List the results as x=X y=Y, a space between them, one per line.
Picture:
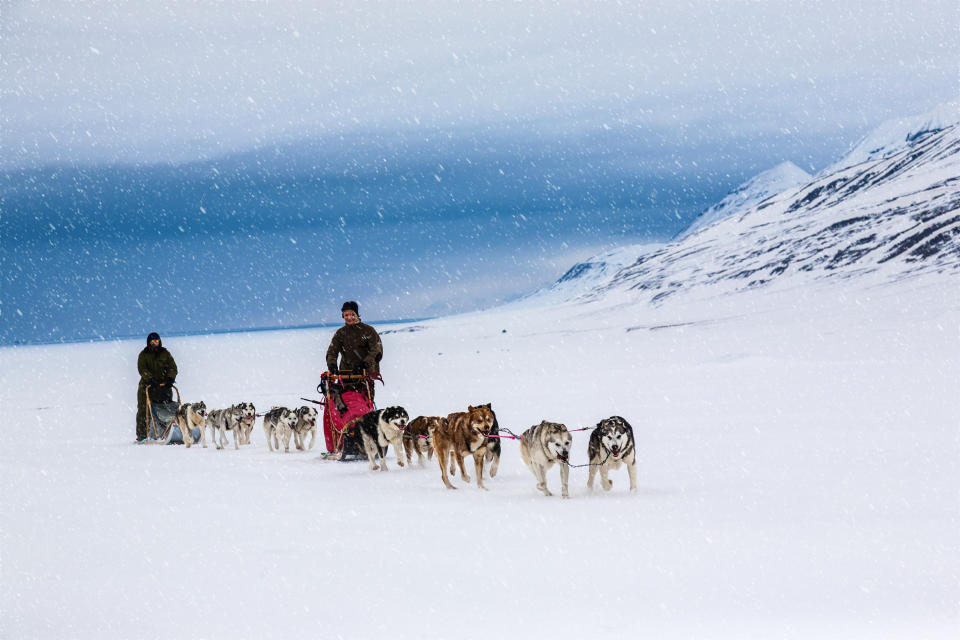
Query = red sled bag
x=346 y=399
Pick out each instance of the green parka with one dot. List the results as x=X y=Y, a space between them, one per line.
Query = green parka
x=360 y=347
x=157 y=365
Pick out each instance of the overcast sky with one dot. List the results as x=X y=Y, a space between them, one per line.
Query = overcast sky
x=422 y=157
x=159 y=80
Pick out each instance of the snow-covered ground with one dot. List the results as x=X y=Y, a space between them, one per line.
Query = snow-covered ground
x=798 y=478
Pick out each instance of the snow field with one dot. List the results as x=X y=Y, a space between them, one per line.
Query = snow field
x=797 y=478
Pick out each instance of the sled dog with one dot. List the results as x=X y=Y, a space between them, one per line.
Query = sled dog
x=493 y=444
x=541 y=447
x=380 y=428
x=278 y=425
x=190 y=416
x=611 y=444
x=242 y=418
x=306 y=423
x=219 y=422
x=464 y=433
x=418 y=437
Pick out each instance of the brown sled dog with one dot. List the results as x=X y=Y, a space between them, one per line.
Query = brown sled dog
x=464 y=433
x=417 y=437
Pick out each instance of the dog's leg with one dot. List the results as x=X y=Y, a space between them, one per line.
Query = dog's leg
x=541 y=473
x=442 y=459
x=187 y=436
x=494 y=462
x=632 y=472
x=285 y=437
x=399 y=448
x=371 y=449
x=453 y=464
x=564 y=479
x=313 y=437
x=605 y=481
x=203 y=435
x=478 y=467
x=592 y=473
x=463 y=470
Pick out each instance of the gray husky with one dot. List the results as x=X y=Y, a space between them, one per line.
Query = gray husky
x=541 y=447
x=219 y=421
x=611 y=444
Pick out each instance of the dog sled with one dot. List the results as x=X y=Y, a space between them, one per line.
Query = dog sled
x=162 y=427
x=346 y=398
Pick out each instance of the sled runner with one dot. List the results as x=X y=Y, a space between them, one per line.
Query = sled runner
x=162 y=427
x=346 y=399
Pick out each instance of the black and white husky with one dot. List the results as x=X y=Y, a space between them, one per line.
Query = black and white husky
x=380 y=428
x=278 y=425
x=306 y=423
x=541 y=447
x=611 y=444
x=241 y=418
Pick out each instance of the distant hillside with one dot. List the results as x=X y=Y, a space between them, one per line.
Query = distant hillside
x=895 y=214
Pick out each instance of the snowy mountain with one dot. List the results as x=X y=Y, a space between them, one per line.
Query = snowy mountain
x=589 y=274
x=751 y=193
x=892 y=136
x=894 y=214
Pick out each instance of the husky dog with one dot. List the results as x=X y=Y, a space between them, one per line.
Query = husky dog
x=493 y=444
x=306 y=423
x=219 y=422
x=278 y=424
x=611 y=444
x=380 y=428
x=463 y=433
x=242 y=418
x=190 y=416
x=541 y=447
x=418 y=437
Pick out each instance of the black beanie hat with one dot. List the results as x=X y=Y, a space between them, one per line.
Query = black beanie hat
x=350 y=305
x=154 y=336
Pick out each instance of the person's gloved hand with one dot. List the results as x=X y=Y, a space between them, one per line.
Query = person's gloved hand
x=152 y=382
x=169 y=382
x=334 y=370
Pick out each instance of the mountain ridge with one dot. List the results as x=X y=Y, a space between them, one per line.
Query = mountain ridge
x=889 y=206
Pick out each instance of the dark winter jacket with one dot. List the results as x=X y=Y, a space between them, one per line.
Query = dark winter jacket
x=156 y=365
x=358 y=346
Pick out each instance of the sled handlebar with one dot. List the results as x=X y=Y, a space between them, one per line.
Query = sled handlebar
x=347 y=375
x=172 y=386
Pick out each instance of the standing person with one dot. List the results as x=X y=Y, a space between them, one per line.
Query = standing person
x=158 y=370
x=356 y=344
x=355 y=348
